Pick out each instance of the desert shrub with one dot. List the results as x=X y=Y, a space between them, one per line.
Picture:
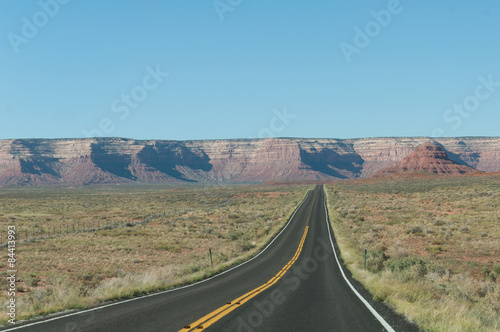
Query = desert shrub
x=376 y=260
x=358 y=219
x=399 y=265
x=439 y=223
x=414 y=230
x=88 y=280
x=409 y=268
x=85 y=275
x=246 y=245
x=206 y=230
x=31 y=279
x=193 y=268
x=168 y=247
x=434 y=250
x=234 y=235
x=220 y=257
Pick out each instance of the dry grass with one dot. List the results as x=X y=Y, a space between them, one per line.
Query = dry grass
x=125 y=258
x=433 y=246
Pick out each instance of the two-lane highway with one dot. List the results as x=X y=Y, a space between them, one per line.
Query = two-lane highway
x=295 y=284
x=314 y=294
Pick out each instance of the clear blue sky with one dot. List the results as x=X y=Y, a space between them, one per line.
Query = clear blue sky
x=246 y=68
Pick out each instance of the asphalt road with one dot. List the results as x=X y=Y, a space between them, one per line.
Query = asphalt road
x=309 y=292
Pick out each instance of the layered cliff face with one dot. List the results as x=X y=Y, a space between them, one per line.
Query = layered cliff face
x=117 y=160
x=427 y=158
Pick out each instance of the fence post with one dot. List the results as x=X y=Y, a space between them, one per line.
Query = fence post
x=211 y=261
x=366 y=250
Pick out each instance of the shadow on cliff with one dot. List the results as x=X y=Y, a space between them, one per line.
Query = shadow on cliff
x=166 y=157
x=116 y=164
x=33 y=163
x=39 y=166
x=473 y=157
x=329 y=162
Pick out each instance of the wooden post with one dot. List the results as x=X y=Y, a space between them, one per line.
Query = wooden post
x=211 y=261
x=366 y=250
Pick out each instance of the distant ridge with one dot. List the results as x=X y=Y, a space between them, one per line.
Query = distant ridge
x=31 y=162
x=427 y=158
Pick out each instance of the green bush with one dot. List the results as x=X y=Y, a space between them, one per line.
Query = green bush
x=32 y=279
x=399 y=265
x=234 y=235
x=168 y=247
x=434 y=250
x=376 y=260
x=414 y=230
x=192 y=269
x=245 y=245
x=408 y=268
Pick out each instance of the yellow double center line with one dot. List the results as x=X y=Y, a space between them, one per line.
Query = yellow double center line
x=215 y=315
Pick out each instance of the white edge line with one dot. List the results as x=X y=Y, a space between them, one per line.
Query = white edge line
x=166 y=291
x=372 y=310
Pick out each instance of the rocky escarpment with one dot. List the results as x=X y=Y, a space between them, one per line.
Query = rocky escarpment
x=427 y=158
x=118 y=160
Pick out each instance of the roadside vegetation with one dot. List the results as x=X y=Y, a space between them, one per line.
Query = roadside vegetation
x=83 y=246
x=433 y=246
